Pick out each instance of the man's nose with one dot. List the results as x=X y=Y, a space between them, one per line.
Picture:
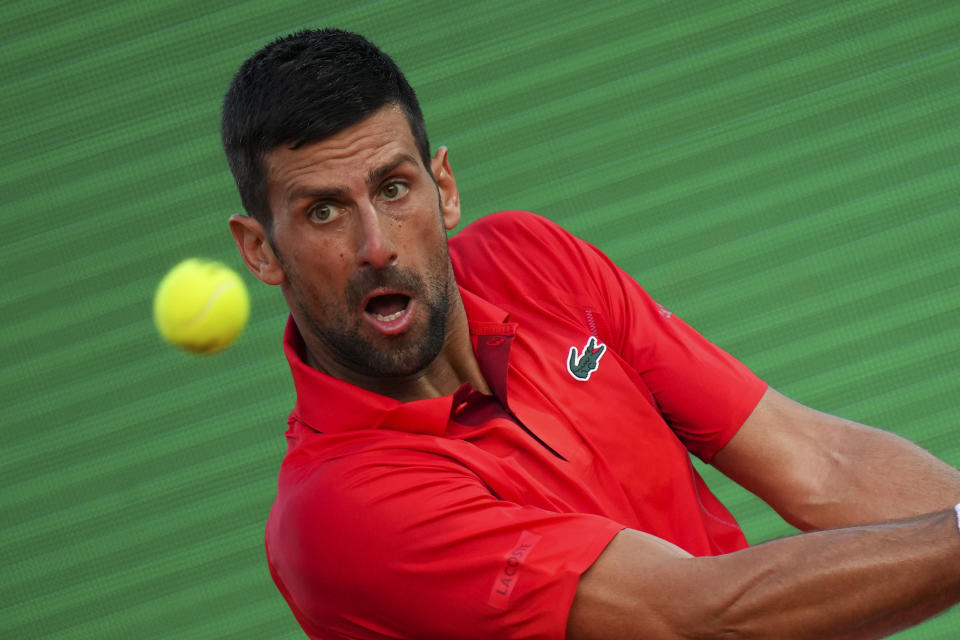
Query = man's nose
x=376 y=247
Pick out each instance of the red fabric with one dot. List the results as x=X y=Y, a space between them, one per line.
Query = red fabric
x=474 y=516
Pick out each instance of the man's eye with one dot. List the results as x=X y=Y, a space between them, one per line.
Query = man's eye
x=323 y=213
x=394 y=190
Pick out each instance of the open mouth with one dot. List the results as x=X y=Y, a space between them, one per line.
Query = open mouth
x=389 y=312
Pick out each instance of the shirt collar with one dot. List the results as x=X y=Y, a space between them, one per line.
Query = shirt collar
x=330 y=405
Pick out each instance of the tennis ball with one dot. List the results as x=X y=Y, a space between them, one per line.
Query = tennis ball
x=201 y=306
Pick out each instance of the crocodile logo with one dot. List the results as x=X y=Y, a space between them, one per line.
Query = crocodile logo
x=581 y=365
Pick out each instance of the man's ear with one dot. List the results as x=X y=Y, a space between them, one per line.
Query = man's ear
x=447 y=185
x=258 y=255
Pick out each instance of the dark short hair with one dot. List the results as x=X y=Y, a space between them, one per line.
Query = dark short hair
x=303 y=88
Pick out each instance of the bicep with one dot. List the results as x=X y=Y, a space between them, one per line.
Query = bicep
x=780 y=453
x=821 y=471
x=633 y=590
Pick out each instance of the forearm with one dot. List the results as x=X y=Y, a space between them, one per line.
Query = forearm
x=863 y=582
x=874 y=476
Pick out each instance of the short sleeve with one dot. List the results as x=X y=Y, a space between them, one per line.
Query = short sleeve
x=418 y=547
x=703 y=392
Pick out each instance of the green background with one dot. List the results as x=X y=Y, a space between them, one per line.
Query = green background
x=783 y=175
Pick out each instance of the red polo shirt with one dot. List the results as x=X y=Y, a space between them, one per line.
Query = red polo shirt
x=473 y=516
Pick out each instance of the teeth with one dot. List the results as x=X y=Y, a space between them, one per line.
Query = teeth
x=389 y=318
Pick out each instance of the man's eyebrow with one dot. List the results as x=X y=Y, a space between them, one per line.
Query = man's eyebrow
x=301 y=193
x=380 y=172
x=334 y=193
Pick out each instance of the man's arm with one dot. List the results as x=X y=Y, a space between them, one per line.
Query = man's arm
x=863 y=582
x=819 y=471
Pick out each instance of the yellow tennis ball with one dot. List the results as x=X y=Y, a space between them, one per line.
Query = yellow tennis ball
x=201 y=306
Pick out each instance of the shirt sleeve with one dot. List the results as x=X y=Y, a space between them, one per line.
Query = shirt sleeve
x=418 y=547
x=703 y=392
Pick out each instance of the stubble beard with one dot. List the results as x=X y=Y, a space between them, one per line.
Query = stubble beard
x=405 y=355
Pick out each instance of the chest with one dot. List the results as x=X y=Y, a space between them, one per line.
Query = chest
x=578 y=430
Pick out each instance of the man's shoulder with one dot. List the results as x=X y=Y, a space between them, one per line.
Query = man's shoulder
x=504 y=226
x=508 y=245
x=518 y=253
x=329 y=462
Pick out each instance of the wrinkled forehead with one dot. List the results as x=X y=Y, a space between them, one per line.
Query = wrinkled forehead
x=349 y=156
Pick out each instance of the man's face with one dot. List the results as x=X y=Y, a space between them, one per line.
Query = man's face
x=358 y=231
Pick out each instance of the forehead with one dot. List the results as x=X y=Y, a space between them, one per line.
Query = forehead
x=347 y=155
